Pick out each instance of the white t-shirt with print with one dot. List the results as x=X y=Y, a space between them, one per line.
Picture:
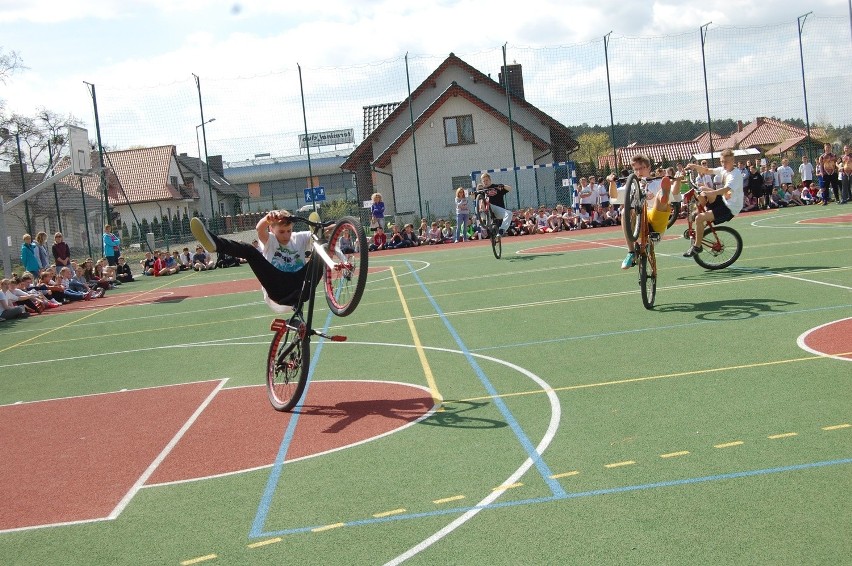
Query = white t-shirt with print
x=291 y=257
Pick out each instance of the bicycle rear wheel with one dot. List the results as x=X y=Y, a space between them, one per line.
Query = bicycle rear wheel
x=648 y=278
x=720 y=249
x=287 y=365
x=496 y=243
x=483 y=213
x=673 y=215
x=345 y=282
x=630 y=217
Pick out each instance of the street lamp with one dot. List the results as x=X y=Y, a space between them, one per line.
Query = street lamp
x=200 y=171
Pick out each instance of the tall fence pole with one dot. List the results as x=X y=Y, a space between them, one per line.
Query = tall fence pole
x=703 y=31
x=102 y=172
x=609 y=96
x=307 y=141
x=511 y=126
x=204 y=137
x=413 y=139
x=23 y=182
x=800 y=24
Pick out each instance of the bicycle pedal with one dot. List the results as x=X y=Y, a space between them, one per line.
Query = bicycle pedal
x=654 y=237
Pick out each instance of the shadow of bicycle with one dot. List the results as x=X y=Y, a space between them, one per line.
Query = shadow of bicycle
x=529 y=257
x=735 y=272
x=735 y=309
x=452 y=416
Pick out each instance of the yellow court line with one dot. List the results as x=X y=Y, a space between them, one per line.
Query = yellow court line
x=265 y=542
x=198 y=560
x=91 y=314
x=328 y=527
x=421 y=353
x=675 y=454
x=448 y=499
x=564 y=475
x=620 y=464
x=505 y=487
x=729 y=444
x=837 y=427
x=782 y=435
x=389 y=513
x=652 y=377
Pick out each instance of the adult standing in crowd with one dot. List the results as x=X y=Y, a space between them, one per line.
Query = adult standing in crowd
x=41 y=251
x=846 y=184
x=827 y=172
x=61 y=252
x=785 y=175
x=29 y=255
x=112 y=246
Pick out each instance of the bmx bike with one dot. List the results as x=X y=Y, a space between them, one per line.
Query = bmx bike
x=634 y=223
x=489 y=221
x=338 y=260
x=722 y=244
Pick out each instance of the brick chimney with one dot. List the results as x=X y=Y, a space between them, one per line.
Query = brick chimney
x=739 y=125
x=215 y=162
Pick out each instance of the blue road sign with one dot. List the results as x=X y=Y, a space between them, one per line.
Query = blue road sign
x=316 y=194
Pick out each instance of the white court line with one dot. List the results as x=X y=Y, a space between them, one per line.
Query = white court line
x=804 y=335
x=165 y=452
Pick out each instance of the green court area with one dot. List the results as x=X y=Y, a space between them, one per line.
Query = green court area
x=570 y=425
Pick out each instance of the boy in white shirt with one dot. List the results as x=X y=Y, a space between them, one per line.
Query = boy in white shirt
x=723 y=203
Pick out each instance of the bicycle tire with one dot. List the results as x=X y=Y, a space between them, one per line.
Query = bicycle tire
x=630 y=216
x=344 y=284
x=287 y=367
x=483 y=213
x=720 y=250
x=675 y=212
x=647 y=281
x=496 y=243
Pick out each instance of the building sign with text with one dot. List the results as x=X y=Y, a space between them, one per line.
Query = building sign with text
x=335 y=137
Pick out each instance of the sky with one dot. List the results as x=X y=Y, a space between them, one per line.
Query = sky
x=147 y=46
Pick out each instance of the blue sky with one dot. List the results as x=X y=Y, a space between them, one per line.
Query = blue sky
x=141 y=44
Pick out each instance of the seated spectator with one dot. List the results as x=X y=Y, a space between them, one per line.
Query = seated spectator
x=50 y=288
x=380 y=240
x=106 y=273
x=201 y=261
x=92 y=278
x=74 y=290
x=409 y=238
x=9 y=307
x=147 y=264
x=530 y=225
x=122 y=271
x=33 y=302
x=422 y=231
x=613 y=216
x=554 y=221
x=795 y=197
x=541 y=221
x=41 y=293
x=446 y=232
x=224 y=260
x=807 y=195
x=395 y=238
x=171 y=262
x=584 y=219
x=434 y=236
x=185 y=258
x=79 y=281
x=569 y=219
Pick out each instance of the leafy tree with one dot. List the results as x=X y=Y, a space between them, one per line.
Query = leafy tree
x=156 y=228
x=145 y=228
x=10 y=63
x=593 y=145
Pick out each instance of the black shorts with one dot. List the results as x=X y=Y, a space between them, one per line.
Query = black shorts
x=721 y=212
x=588 y=207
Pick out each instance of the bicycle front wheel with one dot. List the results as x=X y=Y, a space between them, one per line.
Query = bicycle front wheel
x=496 y=243
x=287 y=366
x=483 y=213
x=345 y=282
x=647 y=279
x=631 y=220
x=721 y=249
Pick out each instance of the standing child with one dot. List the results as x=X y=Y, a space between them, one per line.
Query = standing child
x=377 y=212
x=462 y=210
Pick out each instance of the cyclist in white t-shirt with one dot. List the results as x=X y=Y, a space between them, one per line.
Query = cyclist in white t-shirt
x=723 y=203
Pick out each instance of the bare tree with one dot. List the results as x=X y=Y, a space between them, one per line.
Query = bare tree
x=10 y=63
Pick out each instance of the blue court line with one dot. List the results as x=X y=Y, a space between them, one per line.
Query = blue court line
x=656 y=328
x=275 y=473
x=543 y=469
x=577 y=495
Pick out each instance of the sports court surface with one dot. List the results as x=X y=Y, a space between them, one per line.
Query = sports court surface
x=521 y=411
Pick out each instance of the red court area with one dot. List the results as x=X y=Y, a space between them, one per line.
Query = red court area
x=83 y=458
x=839 y=219
x=831 y=339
